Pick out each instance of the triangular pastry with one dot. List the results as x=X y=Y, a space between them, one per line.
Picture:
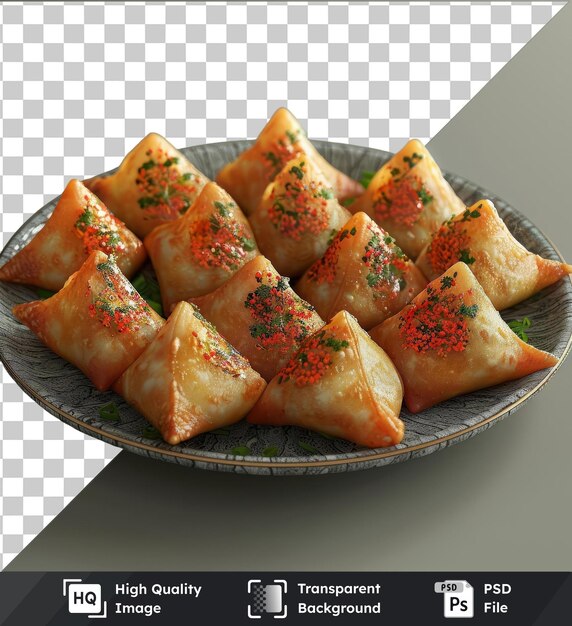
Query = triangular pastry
x=280 y=141
x=409 y=198
x=79 y=225
x=506 y=270
x=340 y=383
x=296 y=217
x=363 y=272
x=189 y=380
x=450 y=340
x=97 y=321
x=257 y=311
x=197 y=253
x=154 y=184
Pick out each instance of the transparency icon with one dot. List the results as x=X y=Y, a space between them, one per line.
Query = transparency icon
x=267 y=599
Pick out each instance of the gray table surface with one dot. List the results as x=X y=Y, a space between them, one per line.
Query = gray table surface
x=500 y=501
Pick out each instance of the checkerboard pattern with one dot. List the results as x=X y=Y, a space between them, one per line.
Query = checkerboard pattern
x=81 y=84
x=258 y=599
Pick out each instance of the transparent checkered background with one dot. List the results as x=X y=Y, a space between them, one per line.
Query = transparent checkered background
x=81 y=84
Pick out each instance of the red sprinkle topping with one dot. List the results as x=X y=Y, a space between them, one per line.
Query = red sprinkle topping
x=324 y=269
x=386 y=264
x=439 y=322
x=118 y=305
x=98 y=229
x=281 y=151
x=401 y=201
x=451 y=243
x=280 y=317
x=217 y=351
x=220 y=241
x=313 y=359
x=164 y=191
x=301 y=207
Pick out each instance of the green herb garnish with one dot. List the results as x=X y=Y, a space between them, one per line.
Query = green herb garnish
x=336 y=344
x=270 y=451
x=468 y=214
x=465 y=257
x=225 y=432
x=469 y=311
x=149 y=290
x=519 y=328
x=44 y=293
x=109 y=412
x=241 y=451
x=298 y=171
x=150 y=432
x=308 y=447
x=424 y=196
x=327 y=194
x=326 y=436
x=365 y=178
x=222 y=209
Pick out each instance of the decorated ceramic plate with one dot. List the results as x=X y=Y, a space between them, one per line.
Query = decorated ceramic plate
x=63 y=390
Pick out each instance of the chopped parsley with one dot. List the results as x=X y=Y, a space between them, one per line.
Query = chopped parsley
x=150 y=432
x=469 y=311
x=519 y=328
x=44 y=293
x=365 y=178
x=308 y=447
x=241 y=451
x=149 y=290
x=109 y=412
x=465 y=257
x=270 y=451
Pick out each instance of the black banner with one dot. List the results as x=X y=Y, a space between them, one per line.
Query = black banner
x=247 y=599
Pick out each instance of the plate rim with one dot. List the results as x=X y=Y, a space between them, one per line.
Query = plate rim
x=314 y=461
x=128 y=444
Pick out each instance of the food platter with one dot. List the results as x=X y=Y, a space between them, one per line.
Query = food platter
x=245 y=448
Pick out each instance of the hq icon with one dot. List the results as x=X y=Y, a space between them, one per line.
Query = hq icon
x=84 y=598
x=458 y=598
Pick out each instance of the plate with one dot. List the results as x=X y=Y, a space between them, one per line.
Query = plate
x=64 y=391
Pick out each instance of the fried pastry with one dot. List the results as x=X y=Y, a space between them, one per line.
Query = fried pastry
x=506 y=270
x=97 y=321
x=260 y=315
x=363 y=272
x=340 y=383
x=190 y=380
x=154 y=184
x=280 y=141
x=451 y=340
x=296 y=217
x=409 y=198
x=79 y=225
x=197 y=253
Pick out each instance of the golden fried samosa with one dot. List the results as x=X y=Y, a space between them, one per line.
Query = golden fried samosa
x=154 y=184
x=280 y=141
x=97 y=321
x=451 y=340
x=189 y=379
x=340 y=383
x=197 y=253
x=409 y=198
x=363 y=272
x=506 y=270
x=79 y=225
x=260 y=315
x=296 y=217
